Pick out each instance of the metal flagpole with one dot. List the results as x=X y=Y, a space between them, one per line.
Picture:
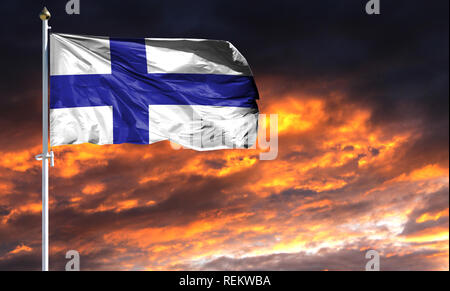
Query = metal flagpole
x=45 y=156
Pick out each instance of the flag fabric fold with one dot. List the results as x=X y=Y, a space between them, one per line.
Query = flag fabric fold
x=198 y=93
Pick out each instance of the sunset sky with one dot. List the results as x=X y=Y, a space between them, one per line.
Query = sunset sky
x=363 y=154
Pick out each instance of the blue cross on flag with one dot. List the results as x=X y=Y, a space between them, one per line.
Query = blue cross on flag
x=198 y=93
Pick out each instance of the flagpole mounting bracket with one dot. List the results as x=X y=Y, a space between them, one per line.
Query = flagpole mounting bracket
x=49 y=155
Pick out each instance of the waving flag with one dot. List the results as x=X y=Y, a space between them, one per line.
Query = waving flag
x=197 y=93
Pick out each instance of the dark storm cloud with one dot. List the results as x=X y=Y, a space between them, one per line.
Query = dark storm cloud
x=396 y=62
x=21 y=262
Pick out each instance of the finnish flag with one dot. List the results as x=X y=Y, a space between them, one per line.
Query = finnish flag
x=195 y=92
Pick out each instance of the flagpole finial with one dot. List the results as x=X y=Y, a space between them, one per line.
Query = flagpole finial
x=45 y=14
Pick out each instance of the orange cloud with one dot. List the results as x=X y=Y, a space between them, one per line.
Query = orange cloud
x=313 y=197
x=432 y=216
x=93 y=188
x=430 y=235
x=20 y=249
